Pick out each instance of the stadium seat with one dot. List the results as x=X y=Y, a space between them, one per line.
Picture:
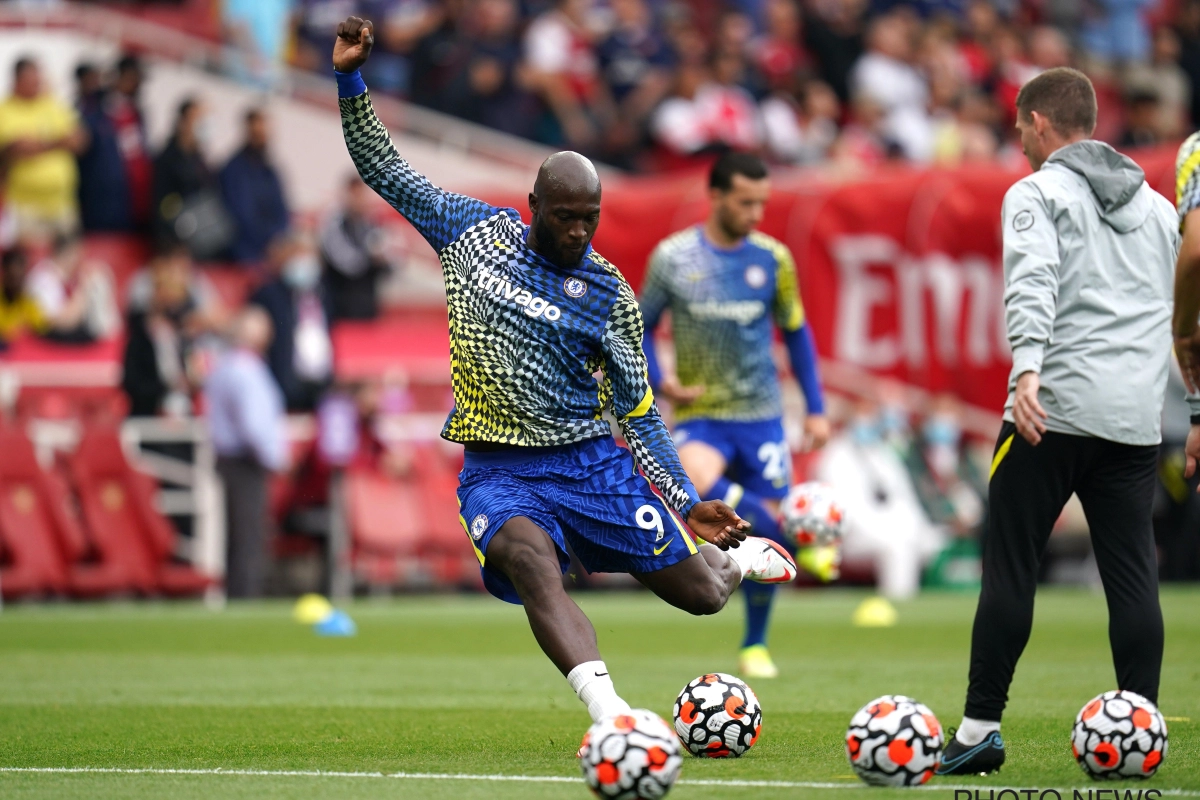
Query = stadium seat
x=384 y=515
x=38 y=536
x=127 y=531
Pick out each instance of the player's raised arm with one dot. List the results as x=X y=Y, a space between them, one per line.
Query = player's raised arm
x=643 y=428
x=439 y=216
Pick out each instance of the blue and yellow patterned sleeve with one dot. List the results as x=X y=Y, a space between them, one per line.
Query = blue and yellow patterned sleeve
x=653 y=300
x=1187 y=177
x=797 y=335
x=655 y=296
x=626 y=385
x=788 y=310
x=438 y=215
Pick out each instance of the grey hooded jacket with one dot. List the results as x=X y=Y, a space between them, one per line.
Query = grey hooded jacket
x=1089 y=263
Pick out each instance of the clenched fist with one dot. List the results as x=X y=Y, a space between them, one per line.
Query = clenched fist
x=352 y=48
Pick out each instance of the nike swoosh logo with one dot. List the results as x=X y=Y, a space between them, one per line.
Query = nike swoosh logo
x=601 y=674
x=993 y=740
x=658 y=551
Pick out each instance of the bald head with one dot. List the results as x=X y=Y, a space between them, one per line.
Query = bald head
x=565 y=204
x=252 y=329
x=567 y=173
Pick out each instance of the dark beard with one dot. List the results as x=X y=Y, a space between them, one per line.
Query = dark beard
x=545 y=239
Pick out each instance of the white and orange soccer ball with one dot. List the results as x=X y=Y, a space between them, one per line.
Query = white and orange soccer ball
x=894 y=741
x=1119 y=734
x=812 y=515
x=633 y=756
x=717 y=716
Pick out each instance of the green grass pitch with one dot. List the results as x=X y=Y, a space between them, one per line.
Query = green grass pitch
x=456 y=685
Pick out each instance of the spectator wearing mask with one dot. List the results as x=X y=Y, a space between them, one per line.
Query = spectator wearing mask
x=951 y=489
x=352 y=250
x=166 y=321
x=76 y=296
x=886 y=75
x=19 y=311
x=301 y=353
x=888 y=527
x=253 y=194
x=202 y=294
x=39 y=139
x=246 y=417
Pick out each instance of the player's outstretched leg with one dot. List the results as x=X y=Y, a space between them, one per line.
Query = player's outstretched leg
x=703 y=583
x=527 y=556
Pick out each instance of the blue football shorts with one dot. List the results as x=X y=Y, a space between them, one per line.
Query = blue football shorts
x=755 y=451
x=589 y=494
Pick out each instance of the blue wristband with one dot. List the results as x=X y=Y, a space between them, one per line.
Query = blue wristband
x=350 y=84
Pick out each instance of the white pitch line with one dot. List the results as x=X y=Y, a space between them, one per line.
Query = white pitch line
x=442 y=776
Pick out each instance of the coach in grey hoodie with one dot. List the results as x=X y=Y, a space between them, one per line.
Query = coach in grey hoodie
x=1089 y=266
x=1089 y=255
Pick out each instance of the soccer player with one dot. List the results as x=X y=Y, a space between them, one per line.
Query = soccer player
x=1089 y=254
x=728 y=287
x=1186 y=319
x=534 y=314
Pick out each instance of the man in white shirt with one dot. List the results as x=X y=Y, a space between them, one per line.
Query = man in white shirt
x=246 y=420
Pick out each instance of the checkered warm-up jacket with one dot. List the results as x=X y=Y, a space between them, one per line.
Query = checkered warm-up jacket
x=527 y=338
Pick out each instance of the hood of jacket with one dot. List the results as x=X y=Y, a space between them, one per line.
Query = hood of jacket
x=1115 y=181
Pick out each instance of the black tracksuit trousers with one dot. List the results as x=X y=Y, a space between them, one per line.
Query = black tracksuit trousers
x=1028 y=488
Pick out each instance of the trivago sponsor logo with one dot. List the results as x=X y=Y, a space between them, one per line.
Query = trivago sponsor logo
x=1058 y=794
x=501 y=286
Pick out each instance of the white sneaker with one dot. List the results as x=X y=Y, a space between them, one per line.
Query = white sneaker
x=763 y=561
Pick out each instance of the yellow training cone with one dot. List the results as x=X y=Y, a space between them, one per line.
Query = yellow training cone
x=875 y=612
x=311 y=609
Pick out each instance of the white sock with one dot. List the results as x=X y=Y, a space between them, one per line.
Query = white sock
x=743 y=556
x=592 y=684
x=974 y=731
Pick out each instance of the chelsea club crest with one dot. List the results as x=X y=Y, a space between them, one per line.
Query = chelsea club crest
x=479 y=526
x=575 y=287
x=756 y=276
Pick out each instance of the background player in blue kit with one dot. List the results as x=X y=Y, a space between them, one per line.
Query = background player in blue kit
x=534 y=315
x=725 y=284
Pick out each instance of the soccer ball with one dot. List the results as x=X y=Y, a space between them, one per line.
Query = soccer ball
x=630 y=757
x=1119 y=734
x=894 y=741
x=717 y=716
x=812 y=515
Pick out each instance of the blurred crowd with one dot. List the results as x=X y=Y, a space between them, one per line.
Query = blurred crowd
x=648 y=84
x=73 y=168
